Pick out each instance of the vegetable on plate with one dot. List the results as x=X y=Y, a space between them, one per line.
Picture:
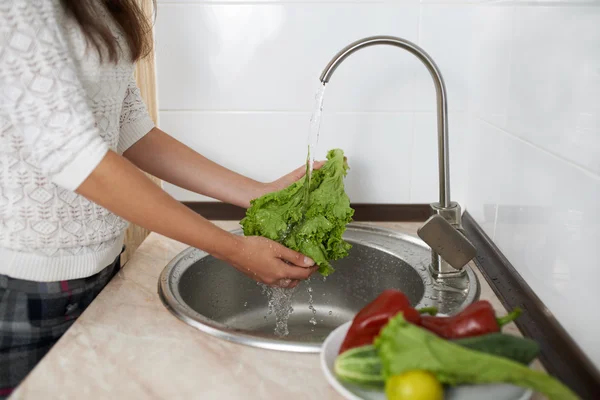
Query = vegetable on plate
x=390 y=346
x=519 y=349
x=311 y=224
x=405 y=347
x=362 y=366
x=476 y=319
x=371 y=318
x=414 y=385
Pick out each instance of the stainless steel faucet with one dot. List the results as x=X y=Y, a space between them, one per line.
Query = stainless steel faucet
x=449 y=210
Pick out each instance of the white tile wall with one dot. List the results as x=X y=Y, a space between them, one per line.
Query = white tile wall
x=269 y=56
x=554 y=91
x=446 y=33
x=247 y=72
x=547 y=224
x=489 y=89
x=237 y=80
x=533 y=174
x=425 y=154
x=264 y=145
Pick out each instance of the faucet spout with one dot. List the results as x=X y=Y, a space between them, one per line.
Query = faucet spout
x=445 y=208
x=440 y=89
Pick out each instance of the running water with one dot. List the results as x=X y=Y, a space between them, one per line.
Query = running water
x=311 y=307
x=280 y=299
x=313 y=137
x=313 y=141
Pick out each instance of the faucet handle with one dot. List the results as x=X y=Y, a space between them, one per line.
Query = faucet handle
x=447 y=241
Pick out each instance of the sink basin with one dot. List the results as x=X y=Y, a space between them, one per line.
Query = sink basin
x=215 y=298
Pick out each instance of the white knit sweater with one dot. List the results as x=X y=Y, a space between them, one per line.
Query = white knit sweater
x=61 y=110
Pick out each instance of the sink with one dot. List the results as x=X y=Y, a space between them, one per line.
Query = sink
x=215 y=298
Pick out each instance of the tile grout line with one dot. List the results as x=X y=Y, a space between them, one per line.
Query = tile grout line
x=495 y=222
x=263 y=3
x=412 y=158
x=581 y=168
x=511 y=3
x=352 y=112
x=411 y=192
x=545 y=3
x=468 y=113
x=508 y=3
x=513 y=30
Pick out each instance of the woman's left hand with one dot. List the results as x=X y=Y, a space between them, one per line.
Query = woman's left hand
x=290 y=178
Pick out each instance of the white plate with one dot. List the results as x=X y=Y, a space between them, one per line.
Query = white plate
x=330 y=350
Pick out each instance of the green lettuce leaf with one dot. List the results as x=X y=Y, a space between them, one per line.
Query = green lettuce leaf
x=312 y=225
x=403 y=347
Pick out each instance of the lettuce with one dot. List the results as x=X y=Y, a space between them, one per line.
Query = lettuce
x=312 y=225
x=404 y=347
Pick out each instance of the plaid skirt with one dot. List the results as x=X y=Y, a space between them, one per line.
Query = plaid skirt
x=34 y=315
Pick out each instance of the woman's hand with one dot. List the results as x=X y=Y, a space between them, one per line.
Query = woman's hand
x=290 y=178
x=269 y=262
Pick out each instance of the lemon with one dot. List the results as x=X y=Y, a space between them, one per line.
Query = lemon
x=414 y=385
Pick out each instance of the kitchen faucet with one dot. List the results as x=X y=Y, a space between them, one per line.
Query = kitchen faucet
x=436 y=231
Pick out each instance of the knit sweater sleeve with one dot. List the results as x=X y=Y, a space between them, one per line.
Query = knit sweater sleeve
x=43 y=105
x=135 y=122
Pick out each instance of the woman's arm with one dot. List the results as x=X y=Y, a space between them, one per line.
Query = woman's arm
x=119 y=186
x=155 y=152
x=170 y=160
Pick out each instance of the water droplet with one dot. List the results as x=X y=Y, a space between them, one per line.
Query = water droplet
x=280 y=304
x=330 y=312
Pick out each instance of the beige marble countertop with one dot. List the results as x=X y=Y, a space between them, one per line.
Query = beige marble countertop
x=126 y=345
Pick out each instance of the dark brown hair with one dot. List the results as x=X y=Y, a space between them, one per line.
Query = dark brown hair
x=127 y=14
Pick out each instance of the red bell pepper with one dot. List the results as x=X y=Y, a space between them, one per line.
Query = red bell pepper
x=475 y=320
x=374 y=316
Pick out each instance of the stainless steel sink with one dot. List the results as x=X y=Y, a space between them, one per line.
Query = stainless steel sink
x=215 y=298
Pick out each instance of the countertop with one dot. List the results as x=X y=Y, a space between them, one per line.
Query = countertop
x=126 y=345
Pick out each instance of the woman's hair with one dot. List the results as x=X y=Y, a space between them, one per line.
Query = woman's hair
x=127 y=14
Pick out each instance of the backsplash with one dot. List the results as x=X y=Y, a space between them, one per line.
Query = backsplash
x=236 y=82
x=533 y=177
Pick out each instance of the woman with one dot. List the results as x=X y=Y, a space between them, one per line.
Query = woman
x=73 y=133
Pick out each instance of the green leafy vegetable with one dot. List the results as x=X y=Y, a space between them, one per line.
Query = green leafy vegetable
x=519 y=349
x=362 y=365
x=403 y=347
x=313 y=224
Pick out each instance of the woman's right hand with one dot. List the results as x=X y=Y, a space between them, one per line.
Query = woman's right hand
x=269 y=262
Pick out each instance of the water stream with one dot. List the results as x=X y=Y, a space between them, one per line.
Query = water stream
x=280 y=299
x=313 y=134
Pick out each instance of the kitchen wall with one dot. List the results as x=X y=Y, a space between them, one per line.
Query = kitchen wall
x=534 y=139
x=237 y=81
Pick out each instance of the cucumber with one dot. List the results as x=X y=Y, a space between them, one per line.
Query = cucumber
x=519 y=349
x=361 y=366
